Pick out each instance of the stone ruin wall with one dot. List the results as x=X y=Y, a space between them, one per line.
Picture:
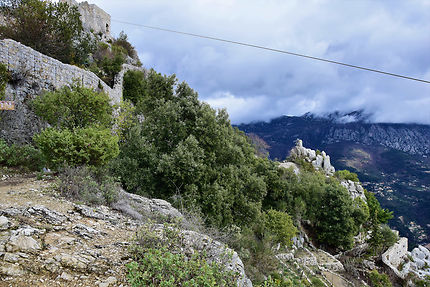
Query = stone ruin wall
x=32 y=73
x=49 y=72
x=93 y=18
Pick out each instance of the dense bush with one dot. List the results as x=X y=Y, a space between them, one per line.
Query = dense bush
x=52 y=28
x=74 y=107
x=334 y=221
x=321 y=200
x=122 y=41
x=161 y=267
x=22 y=156
x=133 y=86
x=108 y=61
x=379 y=280
x=81 y=146
x=83 y=121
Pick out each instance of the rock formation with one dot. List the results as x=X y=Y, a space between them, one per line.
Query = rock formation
x=355 y=189
x=319 y=161
x=402 y=262
x=48 y=240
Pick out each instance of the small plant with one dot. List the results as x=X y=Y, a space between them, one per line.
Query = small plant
x=275 y=282
x=161 y=267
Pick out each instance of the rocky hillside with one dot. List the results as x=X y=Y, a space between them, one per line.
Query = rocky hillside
x=390 y=159
x=46 y=240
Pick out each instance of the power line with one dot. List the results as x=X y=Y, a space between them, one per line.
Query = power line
x=274 y=50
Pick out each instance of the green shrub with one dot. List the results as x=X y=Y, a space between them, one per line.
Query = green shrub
x=377 y=213
x=22 y=156
x=160 y=267
x=334 y=221
x=281 y=225
x=108 y=62
x=346 y=175
x=272 y=282
x=186 y=149
x=423 y=282
x=123 y=42
x=379 y=280
x=316 y=282
x=125 y=118
x=88 y=186
x=82 y=146
x=74 y=107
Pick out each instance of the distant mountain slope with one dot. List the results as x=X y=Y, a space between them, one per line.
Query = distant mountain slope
x=280 y=133
x=391 y=159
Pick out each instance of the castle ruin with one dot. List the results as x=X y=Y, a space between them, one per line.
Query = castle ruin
x=93 y=18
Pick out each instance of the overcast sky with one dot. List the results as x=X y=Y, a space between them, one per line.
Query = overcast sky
x=259 y=85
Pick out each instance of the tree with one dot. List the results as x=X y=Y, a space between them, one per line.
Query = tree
x=281 y=225
x=335 y=225
x=186 y=150
x=382 y=215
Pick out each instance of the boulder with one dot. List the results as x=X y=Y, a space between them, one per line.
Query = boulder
x=22 y=243
x=4 y=223
x=140 y=207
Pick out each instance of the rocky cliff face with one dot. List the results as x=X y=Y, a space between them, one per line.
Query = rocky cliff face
x=413 y=139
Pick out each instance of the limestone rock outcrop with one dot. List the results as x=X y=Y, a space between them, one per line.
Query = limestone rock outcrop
x=355 y=189
x=402 y=262
x=93 y=18
x=319 y=161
